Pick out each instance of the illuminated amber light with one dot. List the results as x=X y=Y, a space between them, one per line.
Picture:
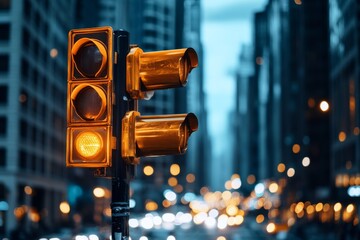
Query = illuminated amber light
x=34 y=216
x=270 y=228
x=151 y=206
x=20 y=211
x=352 y=178
x=319 y=207
x=172 y=181
x=88 y=144
x=166 y=203
x=204 y=190
x=251 y=179
x=299 y=207
x=53 y=53
x=99 y=192
x=178 y=188
x=352 y=104
x=296 y=148
x=107 y=212
x=298 y=2
x=28 y=190
x=291 y=221
x=227 y=185
x=190 y=178
x=281 y=167
x=350 y=208
x=231 y=210
x=356 y=131
x=260 y=218
x=326 y=207
x=273 y=187
x=273 y=213
x=310 y=209
x=290 y=172
x=226 y=195
x=267 y=206
x=64 y=207
x=311 y=102
x=148 y=170
x=357 y=180
x=342 y=136
x=337 y=207
x=175 y=169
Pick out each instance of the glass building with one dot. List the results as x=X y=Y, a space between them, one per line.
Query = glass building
x=290 y=82
x=344 y=75
x=33 y=68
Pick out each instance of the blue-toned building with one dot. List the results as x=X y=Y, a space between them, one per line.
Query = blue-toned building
x=33 y=68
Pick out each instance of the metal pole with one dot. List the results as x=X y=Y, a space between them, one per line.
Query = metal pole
x=121 y=172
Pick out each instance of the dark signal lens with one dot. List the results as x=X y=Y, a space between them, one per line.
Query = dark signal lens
x=89 y=60
x=90 y=57
x=89 y=101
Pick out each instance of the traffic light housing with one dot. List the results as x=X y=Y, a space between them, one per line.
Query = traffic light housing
x=149 y=71
x=161 y=134
x=89 y=98
x=158 y=135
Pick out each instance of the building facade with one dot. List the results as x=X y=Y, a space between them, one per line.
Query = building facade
x=289 y=84
x=33 y=68
x=344 y=85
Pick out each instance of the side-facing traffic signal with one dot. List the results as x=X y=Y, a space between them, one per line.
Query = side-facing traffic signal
x=89 y=98
x=162 y=134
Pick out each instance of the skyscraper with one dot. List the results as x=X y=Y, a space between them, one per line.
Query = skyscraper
x=33 y=47
x=344 y=85
x=291 y=80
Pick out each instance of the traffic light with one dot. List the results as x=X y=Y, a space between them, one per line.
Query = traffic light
x=90 y=97
x=161 y=134
x=149 y=71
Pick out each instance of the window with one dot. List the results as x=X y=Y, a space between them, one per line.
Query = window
x=5 y=31
x=4 y=63
x=2 y=157
x=5 y=5
x=24 y=69
x=22 y=160
x=3 y=125
x=3 y=94
x=23 y=130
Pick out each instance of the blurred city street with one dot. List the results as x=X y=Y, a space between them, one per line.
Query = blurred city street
x=179 y=119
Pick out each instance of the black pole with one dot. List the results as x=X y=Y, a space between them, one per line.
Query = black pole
x=121 y=172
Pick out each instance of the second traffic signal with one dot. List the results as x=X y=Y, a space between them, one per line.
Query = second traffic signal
x=161 y=134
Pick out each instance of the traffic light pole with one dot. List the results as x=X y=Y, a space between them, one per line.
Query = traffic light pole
x=122 y=173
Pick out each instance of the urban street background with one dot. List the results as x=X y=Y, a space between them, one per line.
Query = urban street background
x=276 y=93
